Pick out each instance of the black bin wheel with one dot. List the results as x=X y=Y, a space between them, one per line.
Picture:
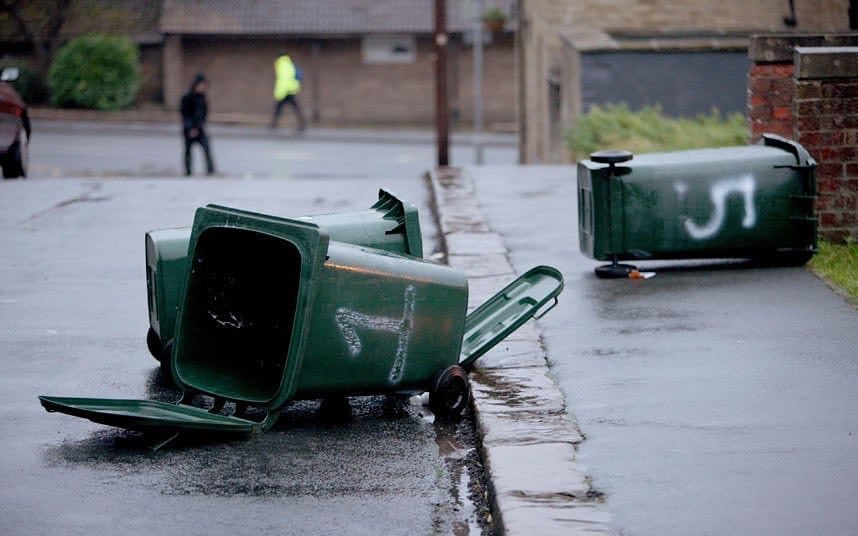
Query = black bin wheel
x=153 y=342
x=614 y=271
x=450 y=393
x=611 y=156
x=166 y=360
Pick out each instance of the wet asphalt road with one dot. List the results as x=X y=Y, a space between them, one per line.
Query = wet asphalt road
x=713 y=401
x=73 y=311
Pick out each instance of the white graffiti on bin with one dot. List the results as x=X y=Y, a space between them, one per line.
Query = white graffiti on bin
x=718 y=193
x=349 y=321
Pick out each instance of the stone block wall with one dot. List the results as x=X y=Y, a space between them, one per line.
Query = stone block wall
x=805 y=88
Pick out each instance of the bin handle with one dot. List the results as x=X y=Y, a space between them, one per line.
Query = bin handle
x=544 y=312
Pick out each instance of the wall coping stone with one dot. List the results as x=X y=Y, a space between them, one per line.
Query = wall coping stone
x=778 y=48
x=826 y=62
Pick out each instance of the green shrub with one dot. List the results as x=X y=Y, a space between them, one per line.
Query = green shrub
x=29 y=84
x=647 y=130
x=494 y=14
x=95 y=71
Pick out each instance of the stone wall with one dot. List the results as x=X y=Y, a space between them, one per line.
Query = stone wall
x=805 y=88
x=655 y=16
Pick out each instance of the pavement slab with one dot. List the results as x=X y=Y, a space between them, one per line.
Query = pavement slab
x=469 y=243
x=475 y=267
x=514 y=354
x=529 y=442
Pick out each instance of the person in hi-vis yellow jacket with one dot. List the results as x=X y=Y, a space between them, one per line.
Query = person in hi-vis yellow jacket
x=287 y=85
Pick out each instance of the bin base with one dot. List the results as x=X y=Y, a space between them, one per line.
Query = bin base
x=614 y=271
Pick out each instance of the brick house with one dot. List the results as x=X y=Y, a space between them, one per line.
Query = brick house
x=685 y=55
x=363 y=62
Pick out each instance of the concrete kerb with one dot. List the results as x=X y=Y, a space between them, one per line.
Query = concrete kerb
x=529 y=441
x=167 y=123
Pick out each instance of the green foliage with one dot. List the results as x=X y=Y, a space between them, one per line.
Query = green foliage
x=838 y=263
x=29 y=85
x=648 y=130
x=494 y=15
x=95 y=71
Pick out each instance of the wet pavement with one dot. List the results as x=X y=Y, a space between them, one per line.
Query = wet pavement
x=529 y=442
x=714 y=399
x=63 y=149
x=73 y=307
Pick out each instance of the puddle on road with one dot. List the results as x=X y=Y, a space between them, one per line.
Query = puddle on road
x=466 y=480
x=374 y=446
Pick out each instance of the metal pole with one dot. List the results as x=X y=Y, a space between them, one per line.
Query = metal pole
x=314 y=77
x=441 y=110
x=478 y=82
x=521 y=39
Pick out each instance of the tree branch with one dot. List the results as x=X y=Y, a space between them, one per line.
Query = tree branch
x=13 y=9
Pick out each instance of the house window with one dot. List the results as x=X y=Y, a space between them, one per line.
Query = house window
x=389 y=49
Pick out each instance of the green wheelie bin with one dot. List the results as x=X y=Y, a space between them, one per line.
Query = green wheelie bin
x=752 y=202
x=275 y=311
x=391 y=224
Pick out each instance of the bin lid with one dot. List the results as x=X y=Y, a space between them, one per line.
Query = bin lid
x=147 y=415
x=506 y=311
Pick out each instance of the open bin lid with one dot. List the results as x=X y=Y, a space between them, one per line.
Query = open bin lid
x=147 y=415
x=507 y=310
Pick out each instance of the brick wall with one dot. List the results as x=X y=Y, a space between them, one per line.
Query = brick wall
x=770 y=88
x=805 y=88
x=337 y=84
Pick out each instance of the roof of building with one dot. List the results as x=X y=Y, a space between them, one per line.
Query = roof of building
x=313 y=17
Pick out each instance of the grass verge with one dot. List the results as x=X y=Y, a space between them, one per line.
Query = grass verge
x=615 y=126
x=838 y=264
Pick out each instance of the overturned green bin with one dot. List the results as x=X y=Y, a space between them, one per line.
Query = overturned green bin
x=391 y=224
x=276 y=311
x=752 y=202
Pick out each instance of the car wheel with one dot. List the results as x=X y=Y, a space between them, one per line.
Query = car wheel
x=18 y=158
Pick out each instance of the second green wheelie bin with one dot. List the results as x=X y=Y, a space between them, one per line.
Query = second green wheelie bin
x=390 y=224
x=275 y=311
x=752 y=201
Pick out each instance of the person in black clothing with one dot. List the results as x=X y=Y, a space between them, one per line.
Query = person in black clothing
x=194 y=111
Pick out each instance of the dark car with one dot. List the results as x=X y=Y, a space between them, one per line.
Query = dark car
x=14 y=128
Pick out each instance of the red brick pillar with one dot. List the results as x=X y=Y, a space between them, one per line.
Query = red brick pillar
x=770 y=96
x=771 y=88
x=826 y=123
x=805 y=87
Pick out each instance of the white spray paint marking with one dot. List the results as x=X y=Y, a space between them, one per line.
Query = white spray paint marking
x=349 y=321
x=719 y=192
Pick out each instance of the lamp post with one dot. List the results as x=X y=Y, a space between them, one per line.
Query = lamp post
x=478 y=81
x=442 y=115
